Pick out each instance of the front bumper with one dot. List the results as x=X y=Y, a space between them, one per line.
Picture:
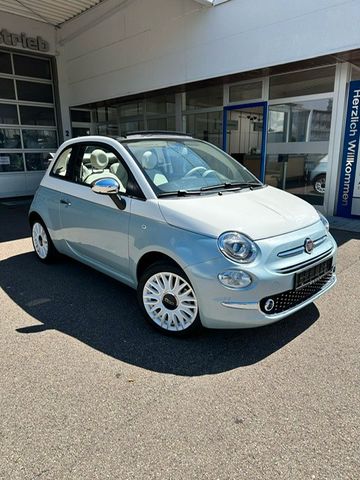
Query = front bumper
x=221 y=307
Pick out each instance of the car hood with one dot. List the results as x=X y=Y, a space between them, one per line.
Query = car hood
x=260 y=213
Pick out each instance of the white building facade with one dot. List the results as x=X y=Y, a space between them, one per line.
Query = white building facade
x=267 y=81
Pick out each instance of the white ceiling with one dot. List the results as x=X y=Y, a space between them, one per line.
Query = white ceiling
x=54 y=12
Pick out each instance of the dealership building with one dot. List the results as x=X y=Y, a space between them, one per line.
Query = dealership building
x=275 y=84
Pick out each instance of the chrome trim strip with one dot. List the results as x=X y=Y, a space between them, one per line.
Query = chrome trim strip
x=308 y=263
x=241 y=306
x=300 y=249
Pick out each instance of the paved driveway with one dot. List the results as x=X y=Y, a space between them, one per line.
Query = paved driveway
x=89 y=391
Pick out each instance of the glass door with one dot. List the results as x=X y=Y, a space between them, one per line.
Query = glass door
x=244 y=135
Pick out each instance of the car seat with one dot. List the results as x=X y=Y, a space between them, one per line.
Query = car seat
x=99 y=162
x=149 y=162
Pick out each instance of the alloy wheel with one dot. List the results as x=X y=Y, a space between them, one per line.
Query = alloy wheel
x=40 y=240
x=170 y=301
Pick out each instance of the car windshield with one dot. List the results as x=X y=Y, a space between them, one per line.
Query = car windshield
x=181 y=166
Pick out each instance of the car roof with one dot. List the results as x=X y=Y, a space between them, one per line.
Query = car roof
x=147 y=134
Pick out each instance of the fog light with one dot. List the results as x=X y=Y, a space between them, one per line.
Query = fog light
x=269 y=305
x=235 y=279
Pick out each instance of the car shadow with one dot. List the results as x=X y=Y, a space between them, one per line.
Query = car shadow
x=14 y=219
x=344 y=236
x=99 y=311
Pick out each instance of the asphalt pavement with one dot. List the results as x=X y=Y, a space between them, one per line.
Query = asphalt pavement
x=89 y=391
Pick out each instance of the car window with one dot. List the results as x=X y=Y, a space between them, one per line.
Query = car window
x=61 y=166
x=173 y=165
x=98 y=161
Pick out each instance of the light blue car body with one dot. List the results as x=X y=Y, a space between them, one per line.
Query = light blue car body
x=120 y=243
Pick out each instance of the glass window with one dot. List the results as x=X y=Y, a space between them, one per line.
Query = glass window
x=206 y=126
x=40 y=139
x=301 y=174
x=80 y=132
x=355 y=73
x=61 y=165
x=37 y=115
x=317 y=80
x=7 y=89
x=131 y=109
x=10 y=138
x=102 y=115
x=97 y=162
x=34 y=92
x=80 y=116
x=173 y=165
x=161 y=124
x=37 y=161
x=245 y=91
x=161 y=104
x=5 y=63
x=308 y=121
x=205 y=97
x=132 y=126
x=32 y=67
x=8 y=114
x=277 y=127
x=11 y=162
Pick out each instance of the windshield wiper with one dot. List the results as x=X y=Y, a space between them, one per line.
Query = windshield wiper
x=232 y=185
x=179 y=193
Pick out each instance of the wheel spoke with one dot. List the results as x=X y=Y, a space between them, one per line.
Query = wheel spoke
x=40 y=240
x=175 y=317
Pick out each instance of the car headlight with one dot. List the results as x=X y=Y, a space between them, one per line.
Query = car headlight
x=324 y=221
x=235 y=279
x=237 y=247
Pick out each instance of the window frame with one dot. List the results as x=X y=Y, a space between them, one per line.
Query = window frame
x=66 y=178
x=133 y=188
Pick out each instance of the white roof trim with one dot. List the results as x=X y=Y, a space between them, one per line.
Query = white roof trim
x=53 y=12
x=211 y=3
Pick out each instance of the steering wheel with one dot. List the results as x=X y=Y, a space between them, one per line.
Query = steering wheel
x=209 y=172
x=195 y=170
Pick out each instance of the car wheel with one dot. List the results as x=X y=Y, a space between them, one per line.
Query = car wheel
x=43 y=246
x=168 y=300
x=320 y=184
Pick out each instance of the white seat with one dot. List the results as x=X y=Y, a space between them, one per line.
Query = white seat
x=149 y=163
x=99 y=162
x=120 y=172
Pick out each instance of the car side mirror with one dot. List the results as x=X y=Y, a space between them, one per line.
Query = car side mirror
x=106 y=186
x=109 y=186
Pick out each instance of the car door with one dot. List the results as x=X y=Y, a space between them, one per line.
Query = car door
x=94 y=228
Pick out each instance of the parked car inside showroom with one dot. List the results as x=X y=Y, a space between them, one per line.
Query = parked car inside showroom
x=318 y=175
x=202 y=240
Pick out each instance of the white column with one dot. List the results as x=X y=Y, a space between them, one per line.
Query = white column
x=342 y=77
x=63 y=93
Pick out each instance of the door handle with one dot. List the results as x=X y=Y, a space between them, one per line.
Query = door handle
x=65 y=202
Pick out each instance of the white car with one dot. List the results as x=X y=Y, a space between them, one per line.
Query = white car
x=318 y=175
x=200 y=238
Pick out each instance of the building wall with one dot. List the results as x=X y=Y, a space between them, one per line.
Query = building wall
x=126 y=47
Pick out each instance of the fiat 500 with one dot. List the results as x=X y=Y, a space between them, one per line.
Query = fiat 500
x=202 y=240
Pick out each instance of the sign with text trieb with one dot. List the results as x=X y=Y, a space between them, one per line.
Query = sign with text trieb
x=22 y=40
x=349 y=188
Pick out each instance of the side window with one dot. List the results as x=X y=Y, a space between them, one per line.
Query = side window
x=95 y=162
x=60 y=169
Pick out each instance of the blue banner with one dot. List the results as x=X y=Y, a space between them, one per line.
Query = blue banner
x=349 y=187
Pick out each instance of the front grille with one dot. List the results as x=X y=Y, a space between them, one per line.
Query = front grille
x=306 y=263
x=291 y=298
x=301 y=248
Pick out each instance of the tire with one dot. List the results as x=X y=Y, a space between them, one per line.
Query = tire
x=42 y=243
x=319 y=183
x=158 y=294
